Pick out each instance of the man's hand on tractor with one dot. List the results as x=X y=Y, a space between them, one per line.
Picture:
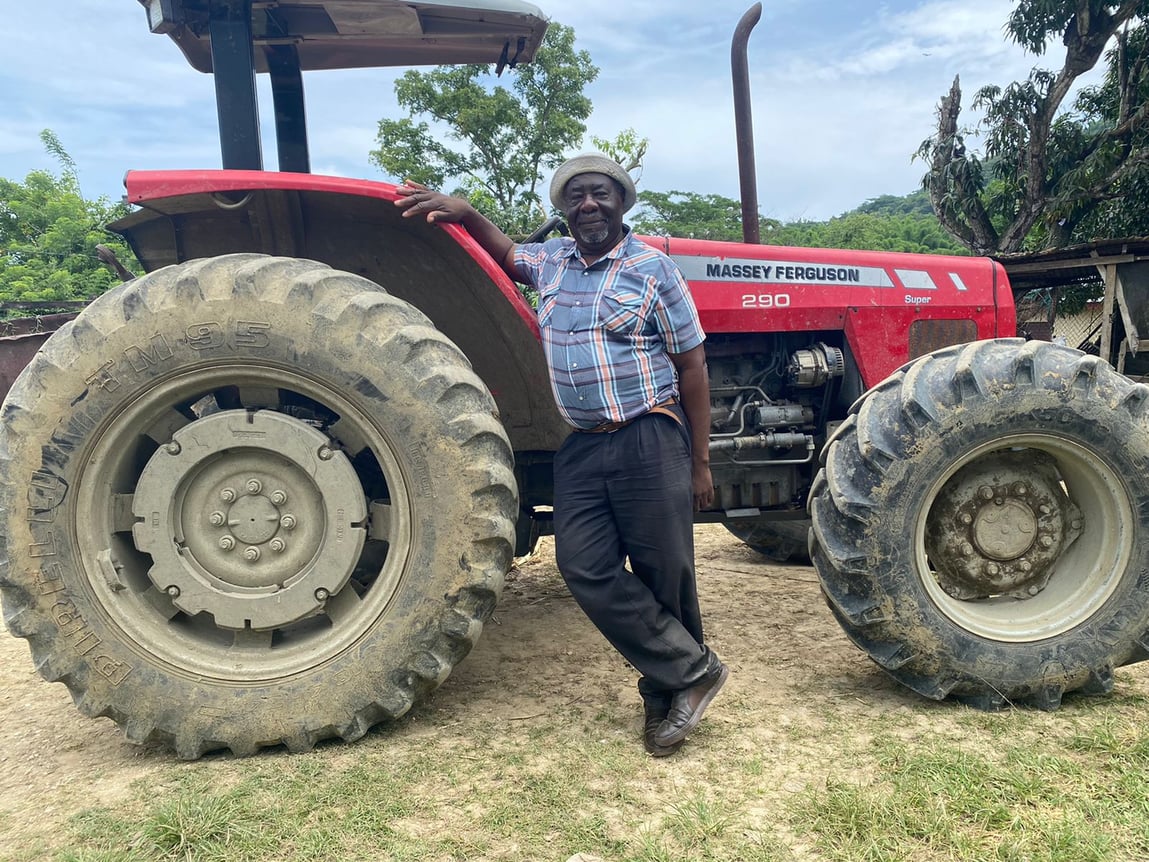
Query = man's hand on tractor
x=416 y=199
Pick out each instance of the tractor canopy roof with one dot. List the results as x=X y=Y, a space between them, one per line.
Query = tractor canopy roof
x=235 y=39
x=344 y=34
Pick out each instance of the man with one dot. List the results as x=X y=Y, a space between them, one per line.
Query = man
x=624 y=348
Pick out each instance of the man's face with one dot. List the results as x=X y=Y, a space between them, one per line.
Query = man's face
x=593 y=206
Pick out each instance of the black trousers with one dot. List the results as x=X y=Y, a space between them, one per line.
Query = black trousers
x=624 y=495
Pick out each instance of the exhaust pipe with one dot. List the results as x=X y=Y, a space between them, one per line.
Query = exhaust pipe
x=743 y=125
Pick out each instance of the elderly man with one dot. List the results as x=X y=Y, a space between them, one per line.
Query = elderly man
x=627 y=367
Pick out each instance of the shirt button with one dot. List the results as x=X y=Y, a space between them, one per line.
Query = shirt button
x=574 y=365
x=580 y=398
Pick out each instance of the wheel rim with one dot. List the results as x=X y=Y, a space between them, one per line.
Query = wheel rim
x=222 y=520
x=1025 y=538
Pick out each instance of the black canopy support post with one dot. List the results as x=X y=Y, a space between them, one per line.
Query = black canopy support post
x=290 y=113
x=743 y=124
x=233 y=63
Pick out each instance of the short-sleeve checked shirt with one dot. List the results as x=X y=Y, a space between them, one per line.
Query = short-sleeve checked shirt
x=608 y=329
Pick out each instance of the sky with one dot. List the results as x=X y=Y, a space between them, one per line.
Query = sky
x=843 y=92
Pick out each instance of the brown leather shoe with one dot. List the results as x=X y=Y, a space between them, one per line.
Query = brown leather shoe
x=655 y=710
x=687 y=706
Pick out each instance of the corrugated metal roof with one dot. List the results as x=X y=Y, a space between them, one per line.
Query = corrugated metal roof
x=1070 y=265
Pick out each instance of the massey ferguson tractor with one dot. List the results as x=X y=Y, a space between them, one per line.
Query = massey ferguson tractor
x=267 y=493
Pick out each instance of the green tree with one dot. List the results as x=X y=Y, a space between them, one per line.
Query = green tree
x=909 y=232
x=1118 y=106
x=506 y=137
x=1046 y=171
x=48 y=237
x=627 y=148
x=690 y=215
x=888 y=223
x=915 y=203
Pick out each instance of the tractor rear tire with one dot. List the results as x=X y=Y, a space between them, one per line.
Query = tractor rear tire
x=981 y=524
x=778 y=541
x=251 y=501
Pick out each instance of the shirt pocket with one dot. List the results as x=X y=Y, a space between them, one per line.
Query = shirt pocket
x=546 y=309
x=622 y=313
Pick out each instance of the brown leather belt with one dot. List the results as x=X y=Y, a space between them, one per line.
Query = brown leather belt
x=611 y=427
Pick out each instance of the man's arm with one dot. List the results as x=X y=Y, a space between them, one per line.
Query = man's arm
x=415 y=199
x=694 y=386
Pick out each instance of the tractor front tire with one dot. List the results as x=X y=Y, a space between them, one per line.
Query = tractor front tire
x=777 y=541
x=981 y=524
x=251 y=501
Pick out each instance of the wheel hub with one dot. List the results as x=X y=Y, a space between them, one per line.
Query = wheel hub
x=251 y=517
x=998 y=526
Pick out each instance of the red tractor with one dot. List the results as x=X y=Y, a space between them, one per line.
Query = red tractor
x=267 y=492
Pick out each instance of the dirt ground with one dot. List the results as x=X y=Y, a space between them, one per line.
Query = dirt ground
x=789 y=661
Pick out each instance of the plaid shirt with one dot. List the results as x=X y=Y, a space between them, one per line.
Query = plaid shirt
x=607 y=329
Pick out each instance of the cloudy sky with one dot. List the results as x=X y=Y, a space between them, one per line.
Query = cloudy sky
x=843 y=90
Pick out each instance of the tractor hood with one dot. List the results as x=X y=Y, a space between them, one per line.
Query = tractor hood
x=343 y=34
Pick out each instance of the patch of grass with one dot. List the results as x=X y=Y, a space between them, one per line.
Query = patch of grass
x=1080 y=798
x=544 y=794
x=710 y=827
x=937 y=782
x=699 y=821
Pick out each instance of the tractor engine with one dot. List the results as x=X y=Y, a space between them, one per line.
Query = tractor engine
x=770 y=403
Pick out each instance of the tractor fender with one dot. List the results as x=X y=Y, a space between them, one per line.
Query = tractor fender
x=353 y=225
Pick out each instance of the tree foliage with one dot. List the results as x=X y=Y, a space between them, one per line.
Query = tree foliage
x=627 y=148
x=916 y=203
x=688 y=214
x=506 y=137
x=49 y=233
x=888 y=223
x=909 y=232
x=1050 y=175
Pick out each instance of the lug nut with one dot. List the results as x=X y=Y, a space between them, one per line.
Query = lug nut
x=993 y=569
x=1025 y=565
x=227 y=495
x=1046 y=541
x=278 y=497
x=226 y=542
x=967 y=519
x=321 y=595
x=966 y=549
x=288 y=522
x=985 y=492
x=278 y=545
x=1034 y=589
x=172 y=448
x=254 y=486
x=1020 y=489
x=326 y=453
x=173 y=591
x=251 y=553
x=217 y=519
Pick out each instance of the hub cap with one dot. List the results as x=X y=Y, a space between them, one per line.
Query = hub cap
x=999 y=525
x=237 y=511
x=1024 y=538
